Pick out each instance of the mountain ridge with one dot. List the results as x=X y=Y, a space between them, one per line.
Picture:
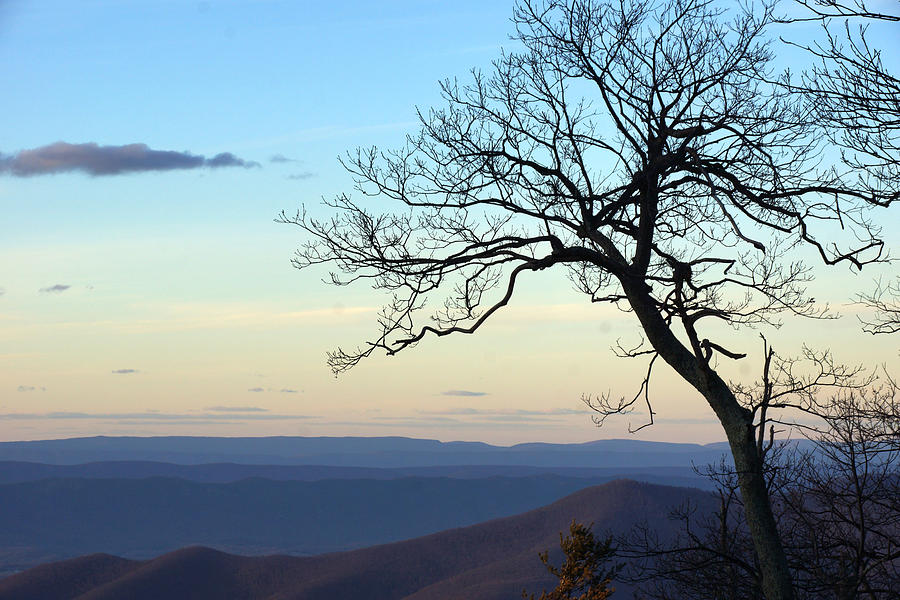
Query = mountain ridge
x=380 y=452
x=56 y=518
x=486 y=561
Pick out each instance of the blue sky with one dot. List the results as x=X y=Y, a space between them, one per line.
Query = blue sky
x=147 y=303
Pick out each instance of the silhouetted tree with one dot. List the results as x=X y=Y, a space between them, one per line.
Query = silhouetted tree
x=885 y=303
x=584 y=574
x=645 y=147
x=837 y=505
x=856 y=97
x=851 y=91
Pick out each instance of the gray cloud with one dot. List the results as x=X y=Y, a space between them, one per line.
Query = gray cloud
x=55 y=289
x=151 y=417
x=662 y=419
x=302 y=175
x=506 y=412
x=469 y=415
x=227 y=159
x=446 y=423
x=30 y=388
x=124 y=371
x=466 y=393
x=281 y=158
x=470 y=418
x=237 y=409
x=2 y=291
x=91 y=158
x=256 y=389
x=288 y=391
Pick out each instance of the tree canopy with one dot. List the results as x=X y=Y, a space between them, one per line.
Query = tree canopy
x=648 y=148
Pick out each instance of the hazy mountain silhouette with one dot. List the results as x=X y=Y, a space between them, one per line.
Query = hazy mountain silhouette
x=358 y=452
x=16 y=472
x=68 y=508
x=488 y=561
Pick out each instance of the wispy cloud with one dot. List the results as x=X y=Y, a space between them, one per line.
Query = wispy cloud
x=582 y=311
x=467 y=418
x=409 y=423
x=663 y=419
x=152 y=416
x=281 y=158
x=124 y=371
x=30 y=388
x=466 y=393
x=171 y=317
x=515 y=415
x=237 y=409
x=96 y=160
x=257 y=389
x=2 y=291
x=303 y=175
x=55 y=289
x=288 y=391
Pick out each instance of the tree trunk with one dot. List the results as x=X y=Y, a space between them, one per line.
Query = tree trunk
x=776 y=577
x=737 y=422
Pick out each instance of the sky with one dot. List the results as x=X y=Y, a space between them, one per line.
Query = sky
x=150 y=291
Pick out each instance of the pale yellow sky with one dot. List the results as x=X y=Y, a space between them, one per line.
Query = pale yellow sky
x=164 y=302
x=99 y=359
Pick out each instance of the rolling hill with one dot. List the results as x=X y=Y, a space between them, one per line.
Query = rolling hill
x=489 y=561
x=53 y=519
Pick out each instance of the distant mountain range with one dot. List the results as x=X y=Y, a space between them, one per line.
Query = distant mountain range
x=384 y=452
x=489 y=561
x=140 y=497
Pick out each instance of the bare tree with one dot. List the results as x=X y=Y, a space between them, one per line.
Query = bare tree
x=838 y=510
x=853 y=94
x=885 y=304
x=711 y=557
x=836 y=497
x=841 y=508
x=856 y=98
x=643 y=147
